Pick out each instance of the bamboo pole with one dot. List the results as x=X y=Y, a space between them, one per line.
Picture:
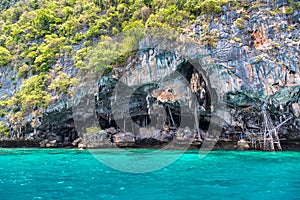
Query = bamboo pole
x=171 y=116
x=197 y=121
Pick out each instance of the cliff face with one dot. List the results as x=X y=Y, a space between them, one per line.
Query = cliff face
x=264 y=52
x=259 y=54
x=245 y=57
x=253 y=61
x=259 y=51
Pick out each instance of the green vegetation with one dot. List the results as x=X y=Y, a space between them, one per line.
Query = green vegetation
x=206 y=6
x=4 y=130
x=23 y=71
x=209 y=38
x=289 y=10
x=31 y=98
x=294 y=4
x=239 y=23
x=40 y=32
x=2 y=112
x=4 y=56
x=31 y=95
x=38 y=36
x=237 y=39
x=62 y=82
x=93 y=129
x=255 y=6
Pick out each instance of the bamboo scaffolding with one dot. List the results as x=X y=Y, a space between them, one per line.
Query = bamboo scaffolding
x=267 y=139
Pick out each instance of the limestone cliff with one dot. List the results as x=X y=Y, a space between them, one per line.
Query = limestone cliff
x=238 y=61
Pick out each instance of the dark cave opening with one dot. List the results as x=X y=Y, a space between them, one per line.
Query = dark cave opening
x=168 y=116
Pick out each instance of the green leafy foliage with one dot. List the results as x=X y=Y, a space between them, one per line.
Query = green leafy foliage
x=206 y=6
x=289 y=10
x=38 y=34
x=31 y=95
x=2 y=112
x=4 y=56
x=23 y=71
x=93 y=129
x=4 y=130
x=43 y=20
x=239 y=22
x=62 y=82
x=114 y=52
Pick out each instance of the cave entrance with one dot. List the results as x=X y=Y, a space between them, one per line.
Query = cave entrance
x=148 y=108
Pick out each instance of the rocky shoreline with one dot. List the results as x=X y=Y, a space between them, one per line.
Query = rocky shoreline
x=147 y=138
x=251 y=67
x=291 y=145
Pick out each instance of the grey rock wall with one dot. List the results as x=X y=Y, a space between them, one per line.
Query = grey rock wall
x=252 y=52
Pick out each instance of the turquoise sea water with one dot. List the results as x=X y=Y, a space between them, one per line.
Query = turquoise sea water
x=73 y=174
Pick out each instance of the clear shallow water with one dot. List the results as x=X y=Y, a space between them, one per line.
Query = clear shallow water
x=73 y=174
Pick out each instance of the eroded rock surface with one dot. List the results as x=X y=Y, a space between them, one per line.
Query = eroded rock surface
x=253 y=59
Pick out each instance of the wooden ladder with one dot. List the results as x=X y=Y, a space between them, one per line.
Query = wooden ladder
x=270 y=134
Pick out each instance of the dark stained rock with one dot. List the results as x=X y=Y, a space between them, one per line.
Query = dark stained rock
x=124 y=139
x=280 y=3
x=296 y=16
x=19 y=143
x=261 y=58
